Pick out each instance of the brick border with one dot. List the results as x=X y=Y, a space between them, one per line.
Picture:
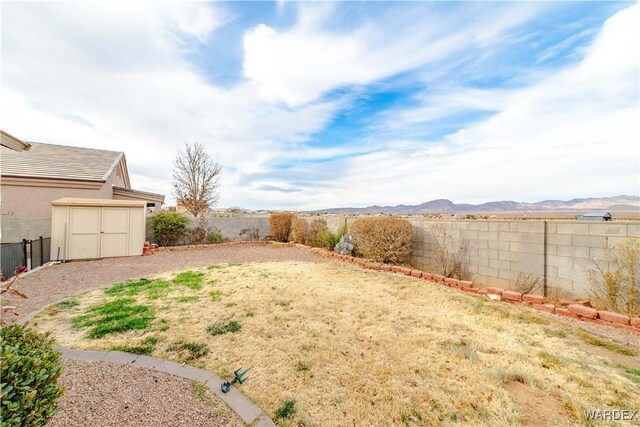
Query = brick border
x=581 y=310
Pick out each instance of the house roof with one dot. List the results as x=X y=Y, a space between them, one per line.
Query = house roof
x=60 y=162
x=13 y=143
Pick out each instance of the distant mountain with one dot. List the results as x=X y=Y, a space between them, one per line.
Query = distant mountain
x=445 y=206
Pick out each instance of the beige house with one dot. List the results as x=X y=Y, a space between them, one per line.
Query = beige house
x=31 y=180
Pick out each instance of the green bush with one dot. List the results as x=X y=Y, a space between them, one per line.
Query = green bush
x=29 y=380
x=215 y=236
x=169 y=228
x=329 y=240
x=315 y=233
x=382 y=239
x=280 y=225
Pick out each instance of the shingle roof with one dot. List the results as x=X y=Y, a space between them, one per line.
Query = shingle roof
x=59 y=161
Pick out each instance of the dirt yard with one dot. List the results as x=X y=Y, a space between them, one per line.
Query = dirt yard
x=356 y=347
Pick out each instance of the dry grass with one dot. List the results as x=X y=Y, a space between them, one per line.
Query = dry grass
x=356 y=347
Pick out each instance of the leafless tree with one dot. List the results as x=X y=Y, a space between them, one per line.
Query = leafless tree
x=196 y=179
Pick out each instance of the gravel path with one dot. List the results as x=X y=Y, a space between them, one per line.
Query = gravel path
x=59 y=281
x=108 y=394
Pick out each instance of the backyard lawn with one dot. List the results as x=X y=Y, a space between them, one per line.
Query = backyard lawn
x=357 y=347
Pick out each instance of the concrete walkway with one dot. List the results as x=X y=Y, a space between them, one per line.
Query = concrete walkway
x=249 y=412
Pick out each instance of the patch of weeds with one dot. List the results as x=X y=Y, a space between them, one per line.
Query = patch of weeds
x=190 y=298
x=548 y=360
x=249 y=313
x=154 y=289
x=232 y=326
x=215 y=267
x=286 y=410
x=234 y=263
x=215 y=295
x=530 y=318
x=303 y=366
x=115 y=316
x=201 y=390
x=225 y=372
x=212 y=282
x=188 y=350
x=163 y=325
x=190 y=279
x=505 y=377
x=609 y=345
x=145 y=347
x=554 y=333
x=633 y=374
x=307 y=347
x=230 y=304
x=283 y=303
x=68 y=303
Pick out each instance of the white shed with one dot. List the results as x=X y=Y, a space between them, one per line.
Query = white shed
x=96 y=228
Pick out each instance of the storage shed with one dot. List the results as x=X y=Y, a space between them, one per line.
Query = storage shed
x=96 y=228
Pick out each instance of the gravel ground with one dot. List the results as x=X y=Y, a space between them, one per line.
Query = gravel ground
x=59 y=281
x=107 y=394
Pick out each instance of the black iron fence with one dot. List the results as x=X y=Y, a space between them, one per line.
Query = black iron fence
x=32 y=253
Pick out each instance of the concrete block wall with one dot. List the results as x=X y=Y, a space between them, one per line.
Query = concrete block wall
x=560 y=253
x=16 y=229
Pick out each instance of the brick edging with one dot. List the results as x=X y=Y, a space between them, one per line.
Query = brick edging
x=575 y=309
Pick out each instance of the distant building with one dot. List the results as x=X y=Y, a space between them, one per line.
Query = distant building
x=595 y=216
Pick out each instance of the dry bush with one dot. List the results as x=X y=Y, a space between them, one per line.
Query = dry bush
x=383 y=239
x=315 y=233
x=299 y=227
x=616 y=288
x=527 y=283
x=280 y=225
x=449 y=258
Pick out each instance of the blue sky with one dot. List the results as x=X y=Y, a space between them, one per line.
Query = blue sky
x=310 y=105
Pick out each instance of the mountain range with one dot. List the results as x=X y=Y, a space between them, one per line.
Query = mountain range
x=445 y=206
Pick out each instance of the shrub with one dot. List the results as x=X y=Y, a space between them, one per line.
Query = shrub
x=169 y=227
x=382 y=239
x=299 y=227
x=29 y=380
x=215 y=236
x=449 y=258
x=280 y=225
x=345 y=245
x=315 y=230
x=617 y=287
x=287 y=409
x=527 y=283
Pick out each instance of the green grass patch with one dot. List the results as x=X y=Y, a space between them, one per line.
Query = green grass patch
x=609 y=345
x=68 y=303
x=215 y=295
x=145 y=347
x=232 y=326
x=548 y=360
x=188 y=350
x=116 y=316
x=249 y=313
x=190 y=279
x=286 y=410
x=190 y=298
x=153 y=289
x=633 y=374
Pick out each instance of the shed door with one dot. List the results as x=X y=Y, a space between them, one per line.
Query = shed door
x=84 y=233
x=115 y=232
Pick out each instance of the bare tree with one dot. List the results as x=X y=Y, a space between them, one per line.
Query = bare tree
x=196 y=179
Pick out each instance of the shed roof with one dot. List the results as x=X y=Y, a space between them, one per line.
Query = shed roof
x=60 y=162
x=596 y=214
x=72 y=201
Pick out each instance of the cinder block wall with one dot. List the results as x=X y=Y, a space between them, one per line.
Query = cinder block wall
x=559 y=252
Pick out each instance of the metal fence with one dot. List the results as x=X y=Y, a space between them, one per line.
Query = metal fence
x=32 y=253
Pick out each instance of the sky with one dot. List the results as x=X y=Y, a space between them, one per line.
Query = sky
x=317 y=105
